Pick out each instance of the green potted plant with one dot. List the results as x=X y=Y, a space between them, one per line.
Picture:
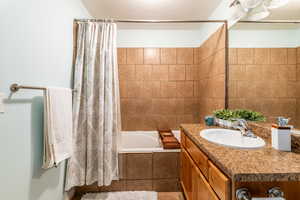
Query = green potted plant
x=226 y=117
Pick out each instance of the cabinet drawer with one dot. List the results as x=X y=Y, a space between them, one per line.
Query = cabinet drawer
x=200 y=158
x=201 y=188
x=219 y=182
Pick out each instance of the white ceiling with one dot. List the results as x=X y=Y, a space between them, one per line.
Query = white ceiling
x=290 y=11
x=151 y=9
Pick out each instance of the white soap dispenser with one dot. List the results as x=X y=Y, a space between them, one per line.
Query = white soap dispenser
x=281 y=135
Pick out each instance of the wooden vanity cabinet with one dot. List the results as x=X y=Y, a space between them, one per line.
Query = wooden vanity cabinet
x=194 y=184
x=200 y=178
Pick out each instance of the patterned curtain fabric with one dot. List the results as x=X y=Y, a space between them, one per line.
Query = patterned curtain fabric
x=96 y=107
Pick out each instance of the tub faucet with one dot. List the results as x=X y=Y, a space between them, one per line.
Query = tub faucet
x=243 y=126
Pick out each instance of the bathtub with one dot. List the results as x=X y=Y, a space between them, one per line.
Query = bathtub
x=144 y=142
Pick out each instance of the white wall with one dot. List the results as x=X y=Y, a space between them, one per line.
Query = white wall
x=259 y=36
x=264 y=35
x=272 y=38
x=158 y=38
x=35 y=49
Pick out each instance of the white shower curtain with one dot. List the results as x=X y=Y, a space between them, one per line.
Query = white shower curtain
x=96 y=107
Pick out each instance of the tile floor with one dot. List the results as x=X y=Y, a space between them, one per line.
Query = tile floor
x=162 y=196
x=170 y=196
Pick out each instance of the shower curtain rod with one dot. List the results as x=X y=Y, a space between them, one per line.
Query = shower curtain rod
x=150 y=21
x=187 y=21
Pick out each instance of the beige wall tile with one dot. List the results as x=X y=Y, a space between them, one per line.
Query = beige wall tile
x=143 y=106
x=197 y=91
x=292 y=89
x=155 y=89
x=287 y=72
x=160 y=72
x=143 y=72
x=168 y=56
x=162 y=121
x=218 y=64
x=232 y=89
x=161 y=106
x=133 y=89
x=139 y=185
x=185 y=55
x=122 y=56
x=236 y=103
x=139 y=166
x=176 y=106
x=298 y=72
x=245 y=55
x=133 y=122
x=185 y=89
x=122 y=165
x=123 y=89
x=269 y=72
x=158 y=95
x=253 y=72
x=135 y=55
x=185 y=119
x=168 y=89
x=232 y=58
x=176 y=72
x=191 y=106
x=196 y=56
x=148 y=89
x=165 y=165
x=298 y=55
x=151 y=56
x=192 y=72
x=246 y=89
x=261 y=56
x=253 y=104
x=237 y=72
x=127 y=72
x=128 y=106
x=219 y=86
x=279 y=56
x=292 y=55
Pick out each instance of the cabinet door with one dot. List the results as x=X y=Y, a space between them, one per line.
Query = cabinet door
x=200 y=188
x=186 y=174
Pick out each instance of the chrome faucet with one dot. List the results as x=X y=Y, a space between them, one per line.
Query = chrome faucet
x=242 y=125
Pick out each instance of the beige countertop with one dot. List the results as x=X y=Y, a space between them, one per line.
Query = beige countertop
x=264 y=164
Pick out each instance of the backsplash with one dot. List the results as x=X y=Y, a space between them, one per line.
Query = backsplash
x=265 y=80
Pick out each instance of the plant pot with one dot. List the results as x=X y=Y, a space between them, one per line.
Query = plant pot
x=224 y=123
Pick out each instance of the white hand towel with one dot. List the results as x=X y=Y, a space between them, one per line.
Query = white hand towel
x=57 y=126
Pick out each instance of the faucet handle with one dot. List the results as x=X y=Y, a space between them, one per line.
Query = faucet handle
x=241 y=122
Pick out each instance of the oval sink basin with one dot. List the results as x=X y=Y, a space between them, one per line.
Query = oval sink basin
x=232 y=138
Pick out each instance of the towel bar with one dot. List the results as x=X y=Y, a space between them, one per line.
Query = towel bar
x=15 y=87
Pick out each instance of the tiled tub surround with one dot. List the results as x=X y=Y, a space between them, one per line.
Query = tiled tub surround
x=212 y=61
x=164 y=87
x=158 y=87
x=263 y=165
x=266 y=80
x=143 y=165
